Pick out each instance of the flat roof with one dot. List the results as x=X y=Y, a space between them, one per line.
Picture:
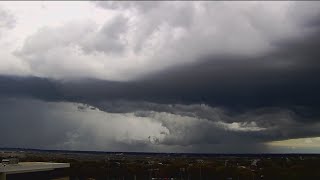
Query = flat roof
x=23 y=167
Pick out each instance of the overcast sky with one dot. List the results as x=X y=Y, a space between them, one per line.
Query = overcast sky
x=230 y=77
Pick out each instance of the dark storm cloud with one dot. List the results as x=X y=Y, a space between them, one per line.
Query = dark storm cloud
x=13 y=86
x=63 y=126
x=273 y=96
x=287 y=77
x=38 y=124
x=253 y=126
x=29 y=124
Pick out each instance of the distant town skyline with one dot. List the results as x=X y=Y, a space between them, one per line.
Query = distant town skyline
x=212 y=77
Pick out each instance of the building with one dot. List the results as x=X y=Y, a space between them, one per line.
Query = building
x=10 y=161
x=13 y=167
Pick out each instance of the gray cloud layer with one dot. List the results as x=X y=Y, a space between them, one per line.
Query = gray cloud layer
x=182 y=128
x=7 y=20
x=243 y=100
x=146 y=37
x=247 y=77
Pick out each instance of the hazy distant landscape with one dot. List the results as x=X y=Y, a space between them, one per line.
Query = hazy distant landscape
x=145 y=166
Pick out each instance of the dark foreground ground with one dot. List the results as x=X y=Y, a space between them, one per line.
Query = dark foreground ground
x=144 y=166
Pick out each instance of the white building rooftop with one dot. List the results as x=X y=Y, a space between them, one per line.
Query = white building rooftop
x=25 y=167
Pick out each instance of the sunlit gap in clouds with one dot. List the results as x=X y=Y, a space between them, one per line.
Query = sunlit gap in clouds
x=302 y=145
